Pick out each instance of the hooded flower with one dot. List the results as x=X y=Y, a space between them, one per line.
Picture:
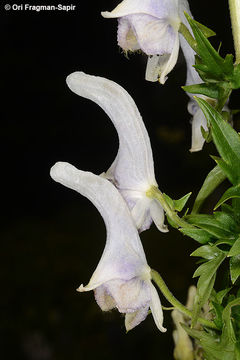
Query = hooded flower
x=132 y=171
x=152 y=26
x=122 y=278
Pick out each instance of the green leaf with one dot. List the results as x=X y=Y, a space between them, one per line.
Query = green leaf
x=235 y=250
x=180 y=203
x=221 y=294
x=214 y=348
x=213 y=179
x=218 y=309
x=207 y=252
x=177 y=204
x=235 y=268
x=199 y=235
x=232 y=192
x=209 y=223
x=210 y=90
x=207 y=276
x=210 y=62
x=226 y=140
x=228 y=331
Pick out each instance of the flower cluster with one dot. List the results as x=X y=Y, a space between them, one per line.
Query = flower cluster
x=153 y=27
x=122 y=278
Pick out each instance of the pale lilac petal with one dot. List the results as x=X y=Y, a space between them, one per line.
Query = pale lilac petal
x=134 y=168
x=141 y=214
x=135 y=318
x=154 y=36
x=167 y=66
x=156 y=308
x=157 y=214
x=126 y=37
x=159 y=9
x=103 y=299
x=129 y=295
x=198 y=121
x=123 y=256
x=153 y=68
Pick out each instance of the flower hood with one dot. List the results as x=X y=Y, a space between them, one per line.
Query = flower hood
x=132 y=171
x=122 y=278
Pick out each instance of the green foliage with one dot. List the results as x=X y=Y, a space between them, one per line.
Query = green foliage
x=207 y=275
x=227 y=142
x=215 y=177
x=232 y=192
x=179 y=204
x=222 y=346
x=219 y=74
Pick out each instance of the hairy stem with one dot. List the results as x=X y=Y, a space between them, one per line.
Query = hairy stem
x=170 y=297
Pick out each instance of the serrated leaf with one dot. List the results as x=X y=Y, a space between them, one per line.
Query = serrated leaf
x=221 y=294
x=227 y=221
x=228 y=331
x=211 y=225
x=180 y=203
x=210 y=90
x=225 y=168
x=232 y=192
x=235 y=268
x=235 y=250
x=214 y=348
x=213 y=65
x=199 y=235
x=207 y=273
x=215 y=177
x=225 y=138
x=207 y=252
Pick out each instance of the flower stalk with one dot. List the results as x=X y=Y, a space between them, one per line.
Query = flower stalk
x=155 y=193
x=156 y=277
x=234 y=7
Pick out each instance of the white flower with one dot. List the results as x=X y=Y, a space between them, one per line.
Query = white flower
x=152 y=26
x=198 y=121
x=132 y=171
x=122 y=278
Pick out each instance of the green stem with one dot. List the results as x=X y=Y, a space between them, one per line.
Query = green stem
x=155 y=193
x=188 y=36
x=234 y=6
x=170 y=297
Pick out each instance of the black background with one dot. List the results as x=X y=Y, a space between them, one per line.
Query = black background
x=52 y=238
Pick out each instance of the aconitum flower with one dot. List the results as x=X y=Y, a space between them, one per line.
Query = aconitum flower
x=198 y=122
x=132 y=171
x=152 y=26
x=122 y=278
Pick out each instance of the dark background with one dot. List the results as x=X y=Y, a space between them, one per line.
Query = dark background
x=52 y=238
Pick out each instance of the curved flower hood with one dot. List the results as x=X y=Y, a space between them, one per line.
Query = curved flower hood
x=151 y=26
x=132 y=171
x=122 y=278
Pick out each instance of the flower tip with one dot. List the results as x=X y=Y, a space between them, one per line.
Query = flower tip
x=81 y=288
x=57 y=170
x=75 y=78
x=106 y=14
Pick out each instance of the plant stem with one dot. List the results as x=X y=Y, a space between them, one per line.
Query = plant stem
x=155 y=193
x=234 y=6
x=170 y=297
